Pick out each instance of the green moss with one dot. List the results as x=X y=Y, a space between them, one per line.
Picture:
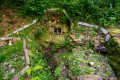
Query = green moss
x=114 y=31
x=113 y=47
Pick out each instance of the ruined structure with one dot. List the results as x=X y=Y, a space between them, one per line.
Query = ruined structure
x=57 y=25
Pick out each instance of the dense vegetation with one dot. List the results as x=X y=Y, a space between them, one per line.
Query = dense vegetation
x=102 y=12
x=39 y=69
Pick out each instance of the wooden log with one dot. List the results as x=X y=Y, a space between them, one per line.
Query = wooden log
x=22 y=72
x=26 y=53
x=6 y=38
x=88 y=25
x=104 y=31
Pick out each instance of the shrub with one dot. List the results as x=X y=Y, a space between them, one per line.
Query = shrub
x=34 y=8
x=102 y=12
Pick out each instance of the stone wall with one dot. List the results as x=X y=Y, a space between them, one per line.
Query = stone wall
x=113 y=47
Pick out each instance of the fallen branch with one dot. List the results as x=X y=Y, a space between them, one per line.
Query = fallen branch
x=22 y=72
x=7 y=38
x=26 y=53
x=88 y=25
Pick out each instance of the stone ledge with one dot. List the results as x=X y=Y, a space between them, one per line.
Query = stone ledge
x=89 y=77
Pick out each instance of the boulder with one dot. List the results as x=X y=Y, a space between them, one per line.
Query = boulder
x=89 y=77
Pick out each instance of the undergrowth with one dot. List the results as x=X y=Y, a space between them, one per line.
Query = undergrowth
x=39 y=69
x=102 y=12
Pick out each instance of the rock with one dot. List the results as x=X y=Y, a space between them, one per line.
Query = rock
x=102 y=49
x=113 y=78
x=90 y=64
x=96 y=42
x=5 y=63
x=13 y=70
x=10 y=43
x=74 y=50
x=72 y=37
x=89 y=25
x=89 y=77
x=104 y=31
x=10 y=66
x=87 y=53
x=15 y=59
x=107 y=38
x=23 y=57
x=78 y=41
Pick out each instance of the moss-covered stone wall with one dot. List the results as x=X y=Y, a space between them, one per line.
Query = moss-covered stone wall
x=113 y=47
x=52 y=20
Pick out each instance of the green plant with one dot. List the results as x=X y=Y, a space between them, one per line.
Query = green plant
x=8 y=50
x=39 y=68
x=64 y=19
x=40 y=33
x=1 y=32
x=92 y=32
x=57 y=71
x=102 y=12
x=34 y=8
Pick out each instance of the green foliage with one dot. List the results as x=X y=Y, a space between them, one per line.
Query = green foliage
x=1 y=32
x=39 y=68
x=1 y=74
x=34 y=8
x=58 y=69
x=40 y=33
x=114 y=61
x=99 y=12
x=102 y=12
x=36 y=78
x=64 y=19
x=8 y=50
x=78 y=30
x=9 y=55
x=74 y=63
x=77 y=63
x=92 y=32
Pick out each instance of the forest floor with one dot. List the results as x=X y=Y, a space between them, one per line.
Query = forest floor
x=10 y=21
